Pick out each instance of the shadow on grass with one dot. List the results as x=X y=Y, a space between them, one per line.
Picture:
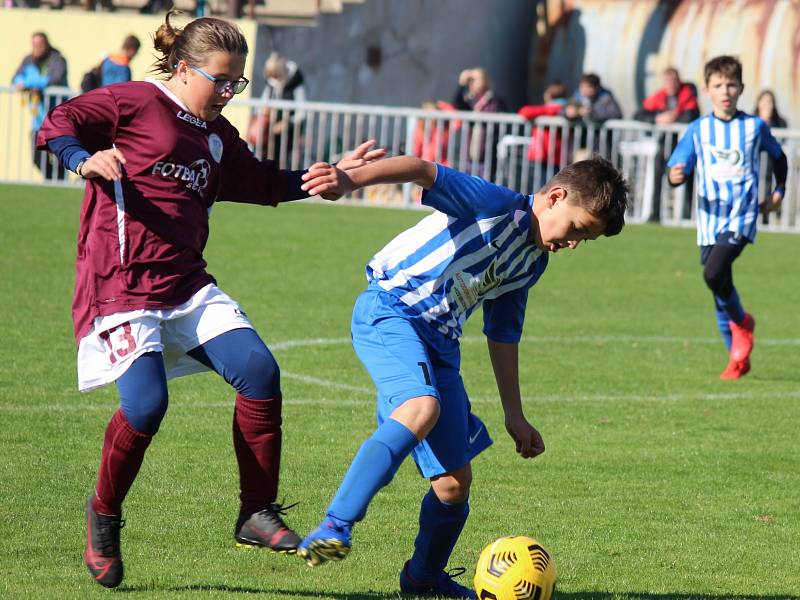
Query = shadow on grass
x=381 y=596
x=265 y=591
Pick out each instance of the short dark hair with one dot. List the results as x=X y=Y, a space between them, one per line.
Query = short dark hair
x=598 y=187
x=591 y=79
x=725 y=65
x=131 y=42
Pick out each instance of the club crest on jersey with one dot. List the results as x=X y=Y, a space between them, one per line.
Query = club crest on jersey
x=215 y=147
x=728 y=165
x=184 y=116
x=195 y=175
x=468 y=289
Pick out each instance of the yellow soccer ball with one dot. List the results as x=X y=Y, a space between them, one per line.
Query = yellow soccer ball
x=515 y=568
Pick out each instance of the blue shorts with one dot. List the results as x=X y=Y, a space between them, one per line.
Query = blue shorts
x=407 y=358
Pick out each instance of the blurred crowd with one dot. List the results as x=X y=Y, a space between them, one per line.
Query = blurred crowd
x=585 y=108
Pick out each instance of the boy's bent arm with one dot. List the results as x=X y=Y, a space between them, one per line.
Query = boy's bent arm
x=398 y=169
x=505 y=363
x=327 y=180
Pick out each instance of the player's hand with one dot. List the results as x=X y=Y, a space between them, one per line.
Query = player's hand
x=676 y=175
x=327 y=181
x=362 y=155
x=529 y=441
x=106 y=164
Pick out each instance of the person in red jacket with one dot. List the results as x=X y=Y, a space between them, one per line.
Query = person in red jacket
x=541 y=153
x=675 y=102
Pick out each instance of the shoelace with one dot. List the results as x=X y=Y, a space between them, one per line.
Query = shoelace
x=275 y=511
x=108 y=534
x=447 y=579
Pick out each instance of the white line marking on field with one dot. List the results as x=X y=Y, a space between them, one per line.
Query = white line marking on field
x=328 y=383
x=185 y=404
x=368 y=392
x=626 y=339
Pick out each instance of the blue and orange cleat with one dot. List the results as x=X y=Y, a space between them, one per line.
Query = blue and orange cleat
x=441 y=586
x=330 y=541
x=736 y=369
x=742 y=338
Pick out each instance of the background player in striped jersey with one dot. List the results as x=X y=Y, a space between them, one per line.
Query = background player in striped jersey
x=156 y=156
x=724 y=147
x=483 y=245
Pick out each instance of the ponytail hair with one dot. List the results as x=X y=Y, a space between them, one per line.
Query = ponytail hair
x=194 y=42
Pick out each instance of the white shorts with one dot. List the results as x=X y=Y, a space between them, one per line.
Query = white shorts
x=117 y=340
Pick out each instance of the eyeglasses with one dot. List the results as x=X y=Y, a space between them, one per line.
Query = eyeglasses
x=237 y=86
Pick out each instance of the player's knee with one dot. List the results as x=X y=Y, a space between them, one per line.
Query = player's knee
x=146 y=411
x=714 y=278
x=453 y=488
x=260 y=377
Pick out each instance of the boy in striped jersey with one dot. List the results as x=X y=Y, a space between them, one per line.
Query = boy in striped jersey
x=483 y=245
x=724 y=148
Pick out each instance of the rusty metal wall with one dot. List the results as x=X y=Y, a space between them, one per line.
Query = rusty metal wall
x=628 y=43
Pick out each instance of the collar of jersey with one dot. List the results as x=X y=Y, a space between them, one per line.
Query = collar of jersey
x=160 y=85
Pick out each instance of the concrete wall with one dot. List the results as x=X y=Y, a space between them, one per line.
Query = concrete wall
x=424 y=45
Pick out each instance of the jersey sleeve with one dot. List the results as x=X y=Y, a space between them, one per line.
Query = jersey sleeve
x=684 y=153
x=504 y=316
x=460 y=195
x=768 y=141
x=247 y=179
x=92 y=118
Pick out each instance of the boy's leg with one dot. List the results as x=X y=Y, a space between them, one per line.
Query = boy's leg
x=718 y=274
x=245 y=362
x=455 y=440
x=143 y=399
x=398 y=362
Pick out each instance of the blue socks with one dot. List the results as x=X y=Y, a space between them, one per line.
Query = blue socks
x=728 y=310
x=724 y=326
x=440 y=524
x=373 y=467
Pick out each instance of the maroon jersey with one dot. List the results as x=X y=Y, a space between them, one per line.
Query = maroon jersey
x=141 y=239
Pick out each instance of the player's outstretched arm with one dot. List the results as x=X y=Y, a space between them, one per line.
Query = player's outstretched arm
x=505 y=362
x=325 y=180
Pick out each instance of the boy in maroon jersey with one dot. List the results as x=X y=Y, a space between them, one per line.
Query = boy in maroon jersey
x=156 y=156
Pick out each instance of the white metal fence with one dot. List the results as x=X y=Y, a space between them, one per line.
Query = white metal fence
x=503 y=148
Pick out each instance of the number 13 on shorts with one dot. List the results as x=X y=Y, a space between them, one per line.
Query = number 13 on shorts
x=119 y=341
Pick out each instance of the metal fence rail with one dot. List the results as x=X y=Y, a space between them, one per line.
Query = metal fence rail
x=503 y=148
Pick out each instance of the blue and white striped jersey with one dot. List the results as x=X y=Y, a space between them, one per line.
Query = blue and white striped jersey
x=726 y=155
x=473 y=249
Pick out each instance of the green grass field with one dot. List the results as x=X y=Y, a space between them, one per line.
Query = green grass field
x=659 y=481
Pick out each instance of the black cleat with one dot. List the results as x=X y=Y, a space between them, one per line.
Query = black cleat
x=102 y=556
x=266 y=529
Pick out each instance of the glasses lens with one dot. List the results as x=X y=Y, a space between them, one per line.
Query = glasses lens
x=240 y=86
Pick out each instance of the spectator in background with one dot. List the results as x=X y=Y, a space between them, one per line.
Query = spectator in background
x=115 y=68
x=475 y=94
x=43 y=67
x=541 y=152
x=675 y=102
x=283 y=81
x=433 y=146
x=591 y=106
x=592 y=103
x=768 y=110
